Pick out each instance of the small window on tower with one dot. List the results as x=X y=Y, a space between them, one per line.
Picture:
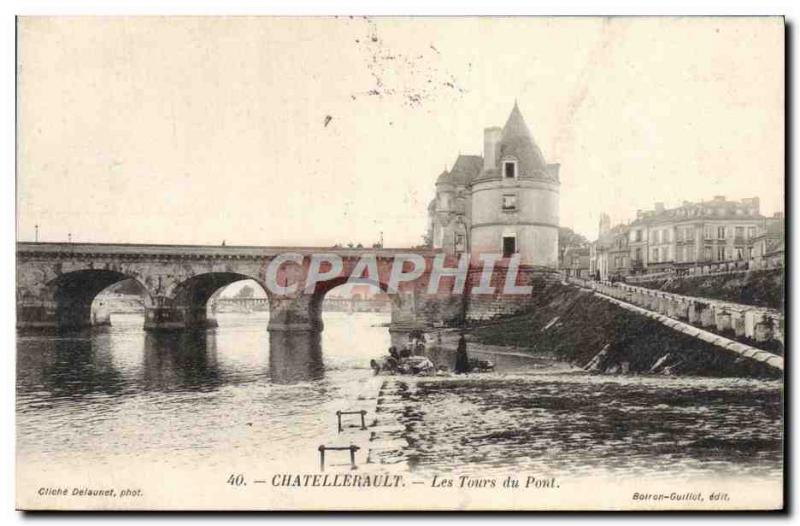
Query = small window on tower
x=509 y=246
x=509 y=202
x=510 y=169
x=459 y=242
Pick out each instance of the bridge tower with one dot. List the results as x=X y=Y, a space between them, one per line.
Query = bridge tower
x=515 y=198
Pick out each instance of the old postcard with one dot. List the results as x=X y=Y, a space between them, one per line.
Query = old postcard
x=441 y=263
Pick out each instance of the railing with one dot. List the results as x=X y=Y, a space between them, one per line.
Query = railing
x=758 y=324
x=706 y=269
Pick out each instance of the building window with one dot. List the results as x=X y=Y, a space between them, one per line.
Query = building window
x=707 y=254
x=638 y=235
x=690 y=234
x=720 y=253
x=721 y=232
x=739 y=253
x=459 y=242
x=509 y=246
x=751 y=232
x=655 y=255
x=510 y=169
x=739 y=232
x=690 y=253
x=509 y=202
x=709 y=232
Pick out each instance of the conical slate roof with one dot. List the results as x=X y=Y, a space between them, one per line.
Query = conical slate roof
x=516 y=141
x=444 y=178
x=466 y=168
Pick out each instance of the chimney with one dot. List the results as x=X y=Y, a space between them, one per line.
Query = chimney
x=605 y=224
x=659 y=207
x=491 y=139
x=719 y=198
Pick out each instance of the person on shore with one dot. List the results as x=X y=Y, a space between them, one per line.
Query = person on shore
x=462 y=360
x=393 y=353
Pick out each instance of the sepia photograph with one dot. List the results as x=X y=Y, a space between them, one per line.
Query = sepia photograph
x=357 y=263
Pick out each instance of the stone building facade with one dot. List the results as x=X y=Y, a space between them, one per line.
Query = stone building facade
x=712 y=231
x=609 y=255
x=503 y=202
x=575 y=261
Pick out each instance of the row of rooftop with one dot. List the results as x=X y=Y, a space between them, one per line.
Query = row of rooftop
x=700 y=233
x=718 y=207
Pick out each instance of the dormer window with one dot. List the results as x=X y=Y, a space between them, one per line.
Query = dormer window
x=510 y=169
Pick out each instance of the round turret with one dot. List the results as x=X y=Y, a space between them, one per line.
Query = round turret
x=515 y=199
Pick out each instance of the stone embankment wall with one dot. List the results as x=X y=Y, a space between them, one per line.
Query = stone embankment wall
x=581 y=328
x=764 y=288
x=500 y=304
x=758 y=327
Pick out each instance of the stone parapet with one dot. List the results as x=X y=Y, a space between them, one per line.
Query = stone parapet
x=758 y=324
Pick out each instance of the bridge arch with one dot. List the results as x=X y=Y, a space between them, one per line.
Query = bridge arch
x=69 y=297
x=186 y=308
x=323 y=288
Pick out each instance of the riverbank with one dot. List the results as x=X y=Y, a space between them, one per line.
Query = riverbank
x=554 y=422
x=573 y=325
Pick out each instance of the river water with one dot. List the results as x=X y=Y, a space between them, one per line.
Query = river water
x=234 y=396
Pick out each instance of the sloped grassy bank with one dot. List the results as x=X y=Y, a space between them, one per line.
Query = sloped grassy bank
x=587 y=331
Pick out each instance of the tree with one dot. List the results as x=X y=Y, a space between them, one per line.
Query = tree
x=245 y=292
x=569 y=238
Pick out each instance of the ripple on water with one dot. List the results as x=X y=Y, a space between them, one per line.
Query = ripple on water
x=222 y=397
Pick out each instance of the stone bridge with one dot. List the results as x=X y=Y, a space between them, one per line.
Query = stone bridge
x=57 y=283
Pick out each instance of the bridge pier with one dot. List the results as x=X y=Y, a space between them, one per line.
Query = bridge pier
x=295 y=314
x=172 y=318
x=50 y=317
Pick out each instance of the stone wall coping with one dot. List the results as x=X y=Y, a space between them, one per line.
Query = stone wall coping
x=196 y=251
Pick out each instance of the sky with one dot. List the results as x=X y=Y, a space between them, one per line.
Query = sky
x=311 y=132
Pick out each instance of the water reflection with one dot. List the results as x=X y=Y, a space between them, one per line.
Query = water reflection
x=221 y=395
x=295 y=357
x=70 y=367
x=181 y=360
x=181 y=399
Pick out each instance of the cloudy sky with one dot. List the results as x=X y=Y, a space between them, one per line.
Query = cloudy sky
x=321 y=131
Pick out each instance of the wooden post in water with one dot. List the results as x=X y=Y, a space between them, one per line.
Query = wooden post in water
x=352 y=448
x=362 y=412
